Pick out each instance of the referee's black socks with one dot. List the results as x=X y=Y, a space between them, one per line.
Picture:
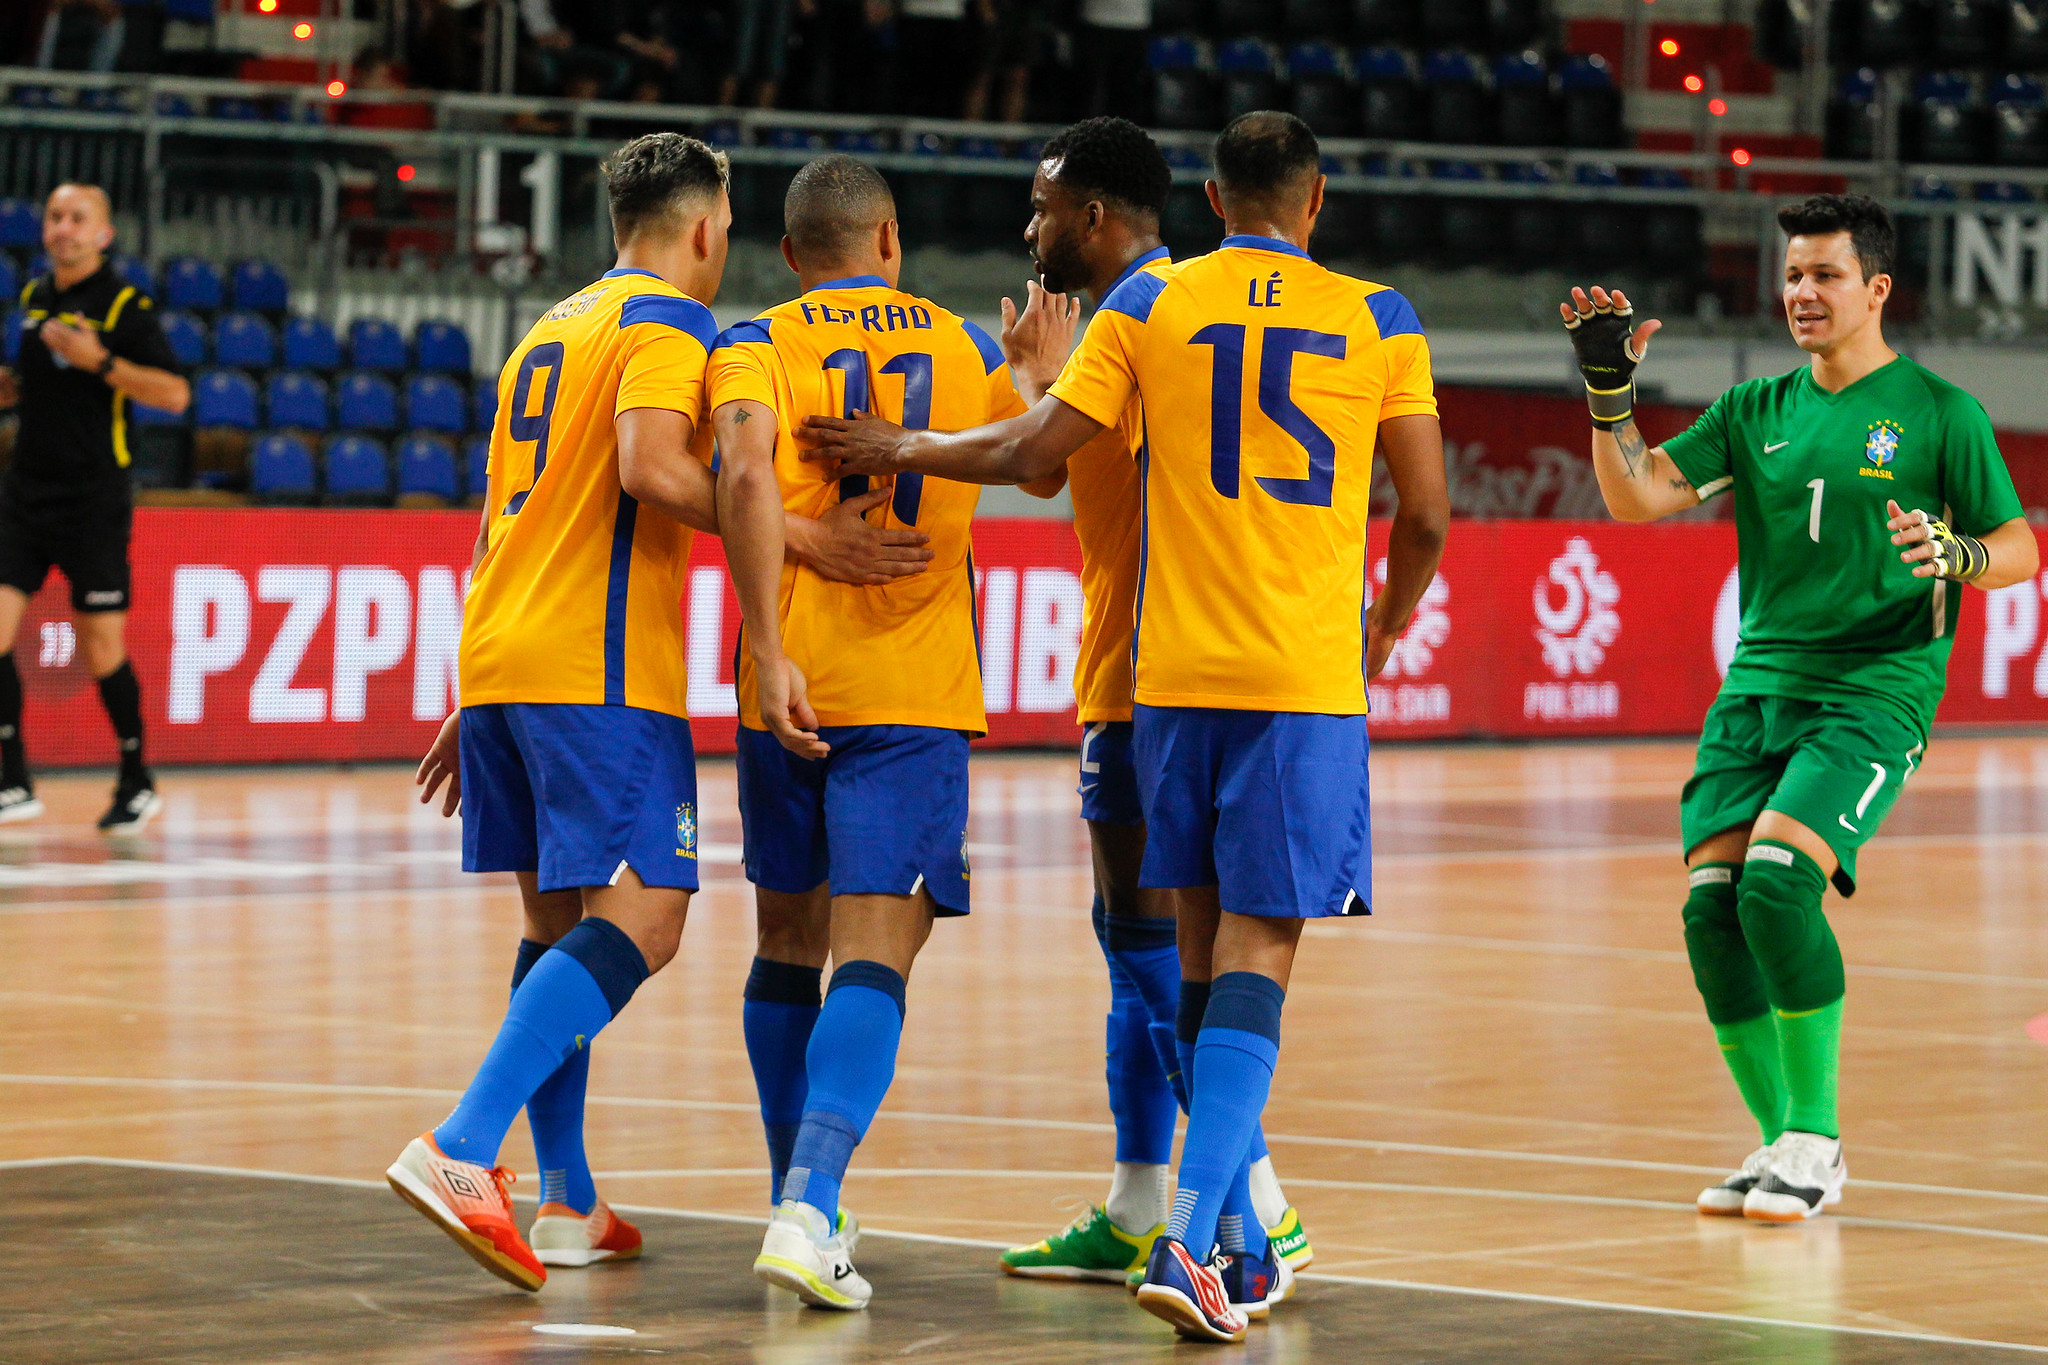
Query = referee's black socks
x=13 y=757
x=122 y=696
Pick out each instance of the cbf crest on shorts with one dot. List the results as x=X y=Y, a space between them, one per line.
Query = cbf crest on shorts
x=686 y=830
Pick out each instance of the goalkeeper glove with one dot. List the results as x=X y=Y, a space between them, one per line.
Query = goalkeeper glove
x=1607 y=362
x=1956 y=556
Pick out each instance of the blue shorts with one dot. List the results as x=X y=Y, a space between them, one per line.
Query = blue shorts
x=1109 y=780
x=578 y=794
x=881 y=814
x=1269 y=807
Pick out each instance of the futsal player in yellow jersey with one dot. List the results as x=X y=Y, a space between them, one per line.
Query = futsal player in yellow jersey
x=859 y=850
x=1096 y=200
x=1266 y=381
x=572 y=752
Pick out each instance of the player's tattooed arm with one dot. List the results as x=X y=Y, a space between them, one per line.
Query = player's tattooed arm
x=1638 y=481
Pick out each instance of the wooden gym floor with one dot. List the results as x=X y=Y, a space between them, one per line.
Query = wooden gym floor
x=1496 y=1100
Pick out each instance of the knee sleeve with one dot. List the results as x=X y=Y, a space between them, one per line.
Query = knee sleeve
x=1779 y=903
x=1722 y=965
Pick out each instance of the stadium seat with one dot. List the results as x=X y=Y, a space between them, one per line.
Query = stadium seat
x=309 y=344
x=1240 y=18
x=1944 y=122
x=374 y=344
x=187 y=336
x=1251 y=77
x=1454 y=23
x=244 y=340
x=991 y=206
x=1855 y=117
x=1514 y=23
x=439 y=345
x=1459 y=104
x=20 y=224
x=1403 y=226
x=476 y=464
x=136 y=271
x=297 y=399
x=1672 y=238
x=1390 y=101
x=1965 y=31
x=1386 y=21
x=1314 y=19
x=1882 y=32
x=10 y=280
x=1536 y=229
x=224 y=398
x=261 y=286
x=1468 y=228
x=1524 y=106
x=485 y=405
x=924 y=199
x=1184 y=93
x=1344 y=228
x=434 y=402
x=281 y=472
x=366 y=402
x=426 y=472
x=358 y=472
x=1602 y=232
x=1323 y=97
x=10 y=337
x=2026 y=34
x=1180 y=16
x=190 y=282
x=1592 y=106
x=2019 y=123
x=1780 y=35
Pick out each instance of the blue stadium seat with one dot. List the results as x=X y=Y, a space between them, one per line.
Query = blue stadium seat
x=358 y=471
x=244 y=340
x=1390 y=104
x=1184 y=93
x=1386 y=21
x=1855 y=117
x=1312 y=19
x=20 y=224
x=439 y=345
x=309 y=344
x=1524 y=106
x=260 y=285
x=476 y=466
x=10 y=337
x=1944 y=121
x=2026 y=34
x=2019 y=129
x=1460 y=107
x=297 y=399
x=1966 y=31
x=1251 y=78
x=101 y=102
x=1592 y=106
x=235 y=107
x=190 y=282
x=486 y=404
x=1454 y=23
x=426 y=467
x=434 y=402
x=281 y=472
x=187 y=336
x=366 y=402
x=374 y=344
x=136 y=271
x=175 y=106
x=1323 y=96
x=224 y=398
x=10 y=280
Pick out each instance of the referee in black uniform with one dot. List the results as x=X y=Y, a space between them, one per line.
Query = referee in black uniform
x=90 y=343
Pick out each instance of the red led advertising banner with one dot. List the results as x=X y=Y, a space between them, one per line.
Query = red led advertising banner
x=282 y=636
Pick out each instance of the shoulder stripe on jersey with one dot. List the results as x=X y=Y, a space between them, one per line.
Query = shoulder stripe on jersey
x=1135 y=296
x=114 y=313
x=685 y=315
x=1394 y=314
x=992 y=358
x=753 y=329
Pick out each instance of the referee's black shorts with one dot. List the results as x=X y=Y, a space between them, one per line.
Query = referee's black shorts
x=88 y=543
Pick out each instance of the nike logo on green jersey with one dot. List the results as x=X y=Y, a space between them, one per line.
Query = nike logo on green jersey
x=1779 y=446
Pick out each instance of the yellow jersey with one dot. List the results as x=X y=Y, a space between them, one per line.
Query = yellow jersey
x=1264 y=378
x=900 y=653
x=1102 y=477
x=578 y=598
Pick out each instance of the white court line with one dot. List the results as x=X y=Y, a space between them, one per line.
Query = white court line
x=1413 y=1286
x=990 y=1121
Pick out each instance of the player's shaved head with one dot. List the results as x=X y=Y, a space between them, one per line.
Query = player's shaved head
x=1266 y=158
x=80 y=197
x=659 y=182
x=78 y=227
x=834 y=208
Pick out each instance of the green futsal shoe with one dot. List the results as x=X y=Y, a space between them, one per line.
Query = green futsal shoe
x=1090 y=1248
x=1290 y=1241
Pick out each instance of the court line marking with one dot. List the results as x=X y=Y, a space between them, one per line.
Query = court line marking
x=988 y=1121
x=1553 y=1300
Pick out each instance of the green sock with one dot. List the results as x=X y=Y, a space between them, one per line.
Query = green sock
x=1751 y=1049
x=1780 y=907
x=1810 y=1041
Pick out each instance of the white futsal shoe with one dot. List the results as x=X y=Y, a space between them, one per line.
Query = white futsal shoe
x=1725 y=1199
x=816 y=1268
x=19 y=803
x=1804 y=1176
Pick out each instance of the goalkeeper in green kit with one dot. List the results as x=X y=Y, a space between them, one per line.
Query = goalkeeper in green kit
x=1867 y=492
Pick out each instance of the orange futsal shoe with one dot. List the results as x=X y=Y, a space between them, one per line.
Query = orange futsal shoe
x=562 y=1236
x=468 y=1203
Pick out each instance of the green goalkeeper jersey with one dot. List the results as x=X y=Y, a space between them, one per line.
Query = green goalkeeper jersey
x=1829 y=613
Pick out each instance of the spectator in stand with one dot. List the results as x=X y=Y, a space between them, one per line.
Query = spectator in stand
x=376 y=71
x=576 y=47
x=21 y=31
x=1111 y=49
x=1004 y=36
x=82 y=35
x=760 y=50
x=936 y=54
x=446 y=51
x=844 y=50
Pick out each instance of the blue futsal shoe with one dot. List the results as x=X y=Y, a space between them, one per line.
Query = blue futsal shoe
x=1256 y=1283
x=1189 y=1295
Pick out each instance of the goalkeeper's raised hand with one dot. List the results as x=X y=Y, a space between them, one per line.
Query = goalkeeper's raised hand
x=1608 y=351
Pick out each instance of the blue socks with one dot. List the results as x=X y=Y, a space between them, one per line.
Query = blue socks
x=571 y=993
x=781 y=1008
x=851 y=1060
x=1234 y=1055
x=554 y=1114
x=1144 y=971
